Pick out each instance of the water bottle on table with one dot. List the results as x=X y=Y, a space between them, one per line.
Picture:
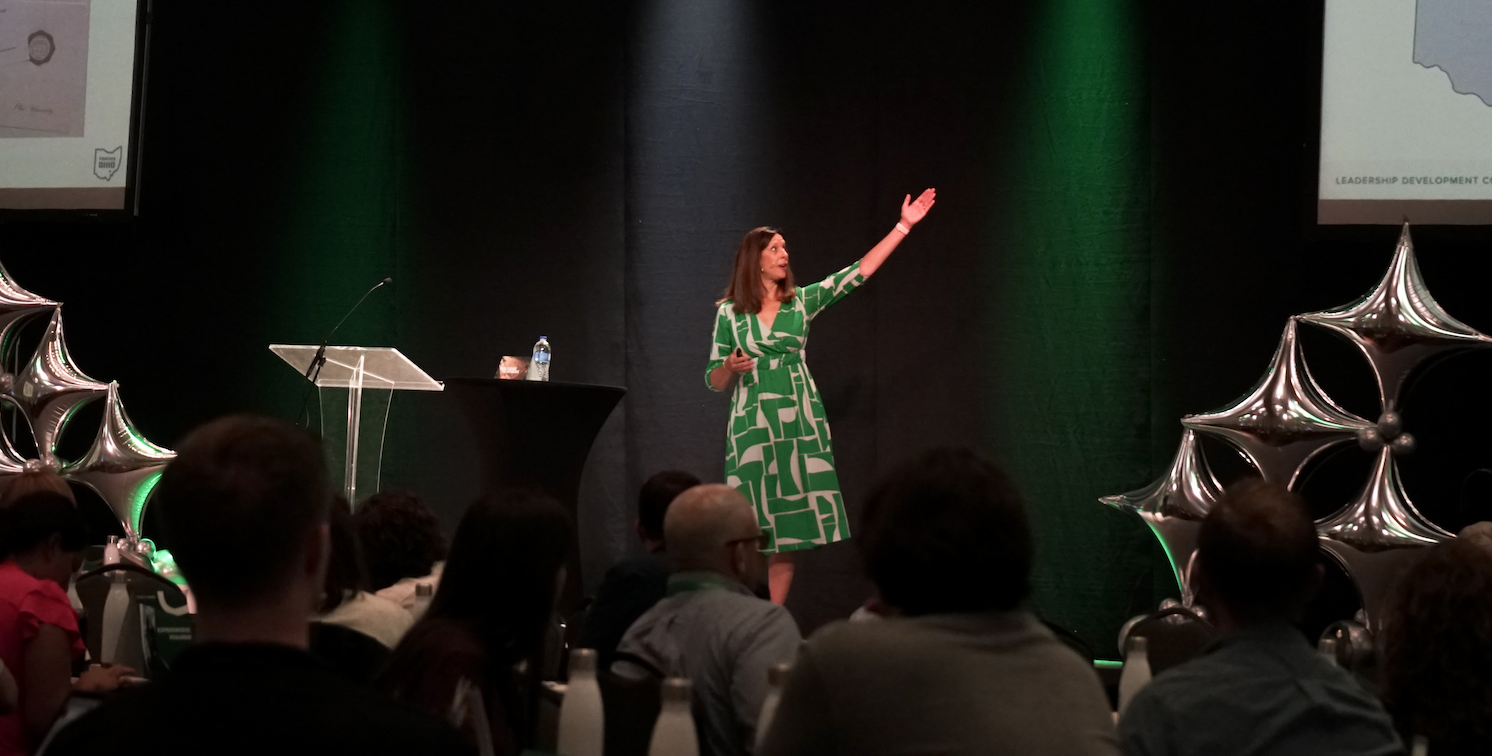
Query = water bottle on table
x=538 y=367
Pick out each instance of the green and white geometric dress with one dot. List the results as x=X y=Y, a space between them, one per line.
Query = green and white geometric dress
x=778 y=448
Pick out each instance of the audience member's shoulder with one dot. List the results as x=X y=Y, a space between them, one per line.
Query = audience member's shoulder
x=325 y=714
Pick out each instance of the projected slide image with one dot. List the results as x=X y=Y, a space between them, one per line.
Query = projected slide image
x=1406 y=112
x=43 y=67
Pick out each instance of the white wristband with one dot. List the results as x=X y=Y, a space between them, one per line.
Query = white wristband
x=902 y=227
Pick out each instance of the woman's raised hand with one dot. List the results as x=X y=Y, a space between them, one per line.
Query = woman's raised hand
x=913 y=211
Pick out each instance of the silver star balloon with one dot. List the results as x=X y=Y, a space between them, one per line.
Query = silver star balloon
x=16 y=306
x=1284 y=420
x=1174 y=507
x=122 y=466
x=1398 y=325
x=1378 y=535
x=10 y=461
x=49 y=389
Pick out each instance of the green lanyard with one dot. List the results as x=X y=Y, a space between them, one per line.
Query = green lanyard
x=684 y=585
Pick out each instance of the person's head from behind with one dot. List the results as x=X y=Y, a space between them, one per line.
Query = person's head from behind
x=714 y=528
x=36 y=480
x=947 y=532
x=652 y=504
x=45 y=535
x=344 y=569
x=248 y=480
x=1436 y=637
x=504 y=570
x=1258 y=558
x=400 y=537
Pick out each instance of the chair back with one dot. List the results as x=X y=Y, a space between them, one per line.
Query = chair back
x=1172 y=635
x=632 y=700
x=156 y=624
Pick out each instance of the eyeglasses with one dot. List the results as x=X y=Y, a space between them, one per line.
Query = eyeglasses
x=762 y=540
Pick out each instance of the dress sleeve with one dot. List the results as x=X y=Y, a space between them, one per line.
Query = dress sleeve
x=48 y=605
x=724 y=342
x=817 y=297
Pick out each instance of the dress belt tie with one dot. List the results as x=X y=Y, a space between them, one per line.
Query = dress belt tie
x=773 y=362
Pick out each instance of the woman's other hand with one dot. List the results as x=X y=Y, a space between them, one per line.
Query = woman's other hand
x=739 y=363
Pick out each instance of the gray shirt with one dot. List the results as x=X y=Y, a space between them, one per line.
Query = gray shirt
x=960 y=684
x=1261 y=690
x=712 y=630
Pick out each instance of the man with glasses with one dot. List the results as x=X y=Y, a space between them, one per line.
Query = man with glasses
x=712 y=628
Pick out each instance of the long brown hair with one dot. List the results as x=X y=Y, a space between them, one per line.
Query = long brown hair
x=745 y=290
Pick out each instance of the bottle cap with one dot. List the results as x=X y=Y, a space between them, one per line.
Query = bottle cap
x=582 y=660
x=424 y=589
x=677 y=690
x=777 y=674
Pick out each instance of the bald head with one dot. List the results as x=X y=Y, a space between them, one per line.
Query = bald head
x=701 y=524
x=1479 y=534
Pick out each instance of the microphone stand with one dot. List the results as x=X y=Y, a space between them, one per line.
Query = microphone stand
x=313 y=370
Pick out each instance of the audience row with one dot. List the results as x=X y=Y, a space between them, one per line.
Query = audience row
x=951 y=660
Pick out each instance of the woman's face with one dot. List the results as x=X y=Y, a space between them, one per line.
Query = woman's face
x=774 y=259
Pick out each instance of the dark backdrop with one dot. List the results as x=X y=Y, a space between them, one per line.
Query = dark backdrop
x=1120 y=234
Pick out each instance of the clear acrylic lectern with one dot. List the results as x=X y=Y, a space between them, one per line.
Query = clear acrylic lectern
x=369 y=376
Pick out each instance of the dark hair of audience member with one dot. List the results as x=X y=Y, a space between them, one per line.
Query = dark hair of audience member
x=1258 y=553
x=29 y=521
x=400 y=537
x=946 y=532
x=1437 y=649
x=344 y=570
x=499 y=585
x=657 y=493
x=39 y=480
x=242 y=480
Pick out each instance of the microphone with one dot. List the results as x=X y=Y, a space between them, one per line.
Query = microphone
x=313 y=371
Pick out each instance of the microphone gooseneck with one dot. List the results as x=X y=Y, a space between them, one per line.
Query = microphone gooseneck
x=313 y=370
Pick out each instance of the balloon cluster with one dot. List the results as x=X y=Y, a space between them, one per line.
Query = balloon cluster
x=48 y=390
x=1286 y=420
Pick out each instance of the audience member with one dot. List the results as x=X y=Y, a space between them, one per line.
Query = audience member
x=485 y=628
x=712 y=628
x=354 y=630
x=1437 y=649
x=956 y=665
x=402 y=544
x=633 y=586
x=37 y=480
x=41 y=541
x=248 y=685
x=1260 y=688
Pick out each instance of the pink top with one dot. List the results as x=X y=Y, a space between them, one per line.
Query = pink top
x=25 y=605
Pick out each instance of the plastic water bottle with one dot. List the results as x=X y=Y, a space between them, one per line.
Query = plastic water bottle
x=1327 y=647
x=776 y=678
x=582 y=724
x=116 y=610
x=538 y=367
x=674 y=734
x=423 y=594
x=1136 y=674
